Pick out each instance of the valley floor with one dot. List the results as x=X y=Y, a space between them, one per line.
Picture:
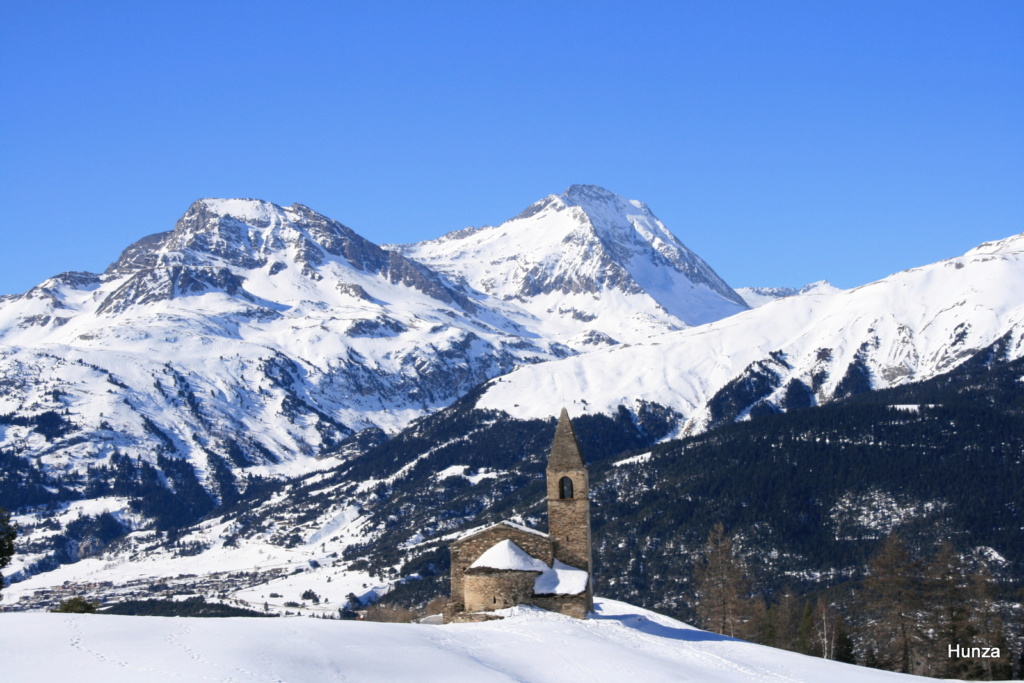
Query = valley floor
x=619 y=643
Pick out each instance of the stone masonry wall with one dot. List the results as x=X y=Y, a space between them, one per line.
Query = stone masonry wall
x=569 y=519
x=466 y=551
x=491 y=590
x=572 y=605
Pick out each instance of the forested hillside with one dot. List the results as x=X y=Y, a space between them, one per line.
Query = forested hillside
x=811 y=498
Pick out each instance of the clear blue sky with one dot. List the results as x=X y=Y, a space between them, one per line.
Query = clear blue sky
x=784 y=142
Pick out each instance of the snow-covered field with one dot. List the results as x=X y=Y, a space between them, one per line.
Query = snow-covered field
x=620 y=643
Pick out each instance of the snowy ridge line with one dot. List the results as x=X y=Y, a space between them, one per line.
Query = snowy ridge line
x=619 y=642
x=907 y=327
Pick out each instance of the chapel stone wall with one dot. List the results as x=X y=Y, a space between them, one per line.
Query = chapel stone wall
x=467 y=550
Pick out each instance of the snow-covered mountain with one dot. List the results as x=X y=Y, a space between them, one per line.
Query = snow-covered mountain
x=586 y=268
x=264 y=334
x=260 y=332
x=759 y=296
x=255 y=339
x=797 y=351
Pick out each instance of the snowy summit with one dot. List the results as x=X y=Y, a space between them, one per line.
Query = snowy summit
x=587 y=264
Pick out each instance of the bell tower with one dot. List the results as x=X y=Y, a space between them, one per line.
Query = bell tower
x=569 y=499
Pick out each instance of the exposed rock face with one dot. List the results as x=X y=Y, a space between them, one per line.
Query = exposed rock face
x=250 y=333
x=579 y=259
x=248 y=234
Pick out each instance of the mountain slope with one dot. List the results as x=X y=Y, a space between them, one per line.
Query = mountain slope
x=796 y=351
x=588 y=267
x=759 y=296
x=218 y=399
x=255 y=332
x=254 y=340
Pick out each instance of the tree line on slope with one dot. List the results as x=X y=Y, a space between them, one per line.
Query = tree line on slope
x=938 y=615
x=811 y=492
x=8 y=532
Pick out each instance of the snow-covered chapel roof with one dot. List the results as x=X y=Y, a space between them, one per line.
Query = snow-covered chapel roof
x=560 y=579
x=508 y=556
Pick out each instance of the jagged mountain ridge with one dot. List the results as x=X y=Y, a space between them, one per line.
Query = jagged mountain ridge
x=250 y=234
x=797 y=351
x=266 y=334
x=251 y=329
x=586 y=266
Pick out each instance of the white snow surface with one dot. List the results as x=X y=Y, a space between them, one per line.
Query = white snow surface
x=587 y=268
x=619 y=642
x=561 y=579
x=907 y=327
x=558 y=579
x=759 y=296
x=505 y=522
x=506 y=555
x=460 y=471
x=633 y=460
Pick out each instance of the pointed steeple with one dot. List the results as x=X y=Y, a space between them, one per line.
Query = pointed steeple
x=565 y=449
x=568 y=484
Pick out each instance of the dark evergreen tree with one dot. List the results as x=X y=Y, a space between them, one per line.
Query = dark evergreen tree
x=8 y=532
x=782 y=621
x=803 y=642
x=76 y=605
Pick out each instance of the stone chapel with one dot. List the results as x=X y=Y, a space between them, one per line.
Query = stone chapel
x=510 y=564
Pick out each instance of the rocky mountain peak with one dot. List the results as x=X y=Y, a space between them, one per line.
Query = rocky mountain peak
x=1010 y=245
x=579 y=195
x=244 y=233
x=598 y=200
x=582 y=255
x=221 y=243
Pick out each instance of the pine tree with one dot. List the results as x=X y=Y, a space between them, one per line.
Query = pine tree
x=892 y=601
x=783 y=620
x=76 y=605
x=947 y=608
x=723 y=589
x=986 y=628
x=8 y=532
x=803 y=642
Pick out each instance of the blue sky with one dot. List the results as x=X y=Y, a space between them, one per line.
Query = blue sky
x=784 y=142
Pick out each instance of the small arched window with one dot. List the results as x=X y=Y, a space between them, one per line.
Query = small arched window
x=565 y=487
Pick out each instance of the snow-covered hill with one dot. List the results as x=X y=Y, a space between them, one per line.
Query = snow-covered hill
x=796 y=351
x=586 y=267
x=759 y=296
x=620 y=642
